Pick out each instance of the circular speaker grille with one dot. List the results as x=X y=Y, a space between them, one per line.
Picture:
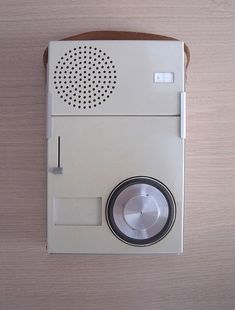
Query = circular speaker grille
x=140 y=211
x=85 y=77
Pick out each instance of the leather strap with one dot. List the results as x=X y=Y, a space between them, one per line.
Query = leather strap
x=120 y=35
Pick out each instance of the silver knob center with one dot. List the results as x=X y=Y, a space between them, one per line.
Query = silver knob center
x=141 y=212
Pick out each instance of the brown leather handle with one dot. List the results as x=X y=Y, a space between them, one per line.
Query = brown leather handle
x=120 y=35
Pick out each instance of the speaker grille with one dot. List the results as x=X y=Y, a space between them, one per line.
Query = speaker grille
x=85 y=77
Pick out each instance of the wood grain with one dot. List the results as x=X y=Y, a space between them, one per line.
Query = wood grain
x=204 y=276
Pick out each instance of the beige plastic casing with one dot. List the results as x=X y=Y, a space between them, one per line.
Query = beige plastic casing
x=136 y=133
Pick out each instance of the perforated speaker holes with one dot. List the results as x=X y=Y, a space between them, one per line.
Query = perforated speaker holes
x=85 y=77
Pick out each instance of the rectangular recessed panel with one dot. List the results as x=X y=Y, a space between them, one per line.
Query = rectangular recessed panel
x=78 y=211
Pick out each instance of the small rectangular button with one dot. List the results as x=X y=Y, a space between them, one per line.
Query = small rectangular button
x=163 y=77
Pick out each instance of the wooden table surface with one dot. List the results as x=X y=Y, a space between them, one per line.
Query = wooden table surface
x=204 y=276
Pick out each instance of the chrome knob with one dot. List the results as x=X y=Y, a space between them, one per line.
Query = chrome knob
x=140 y=211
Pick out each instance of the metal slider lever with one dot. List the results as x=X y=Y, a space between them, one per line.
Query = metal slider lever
x=58 y=169
x=183 y=115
